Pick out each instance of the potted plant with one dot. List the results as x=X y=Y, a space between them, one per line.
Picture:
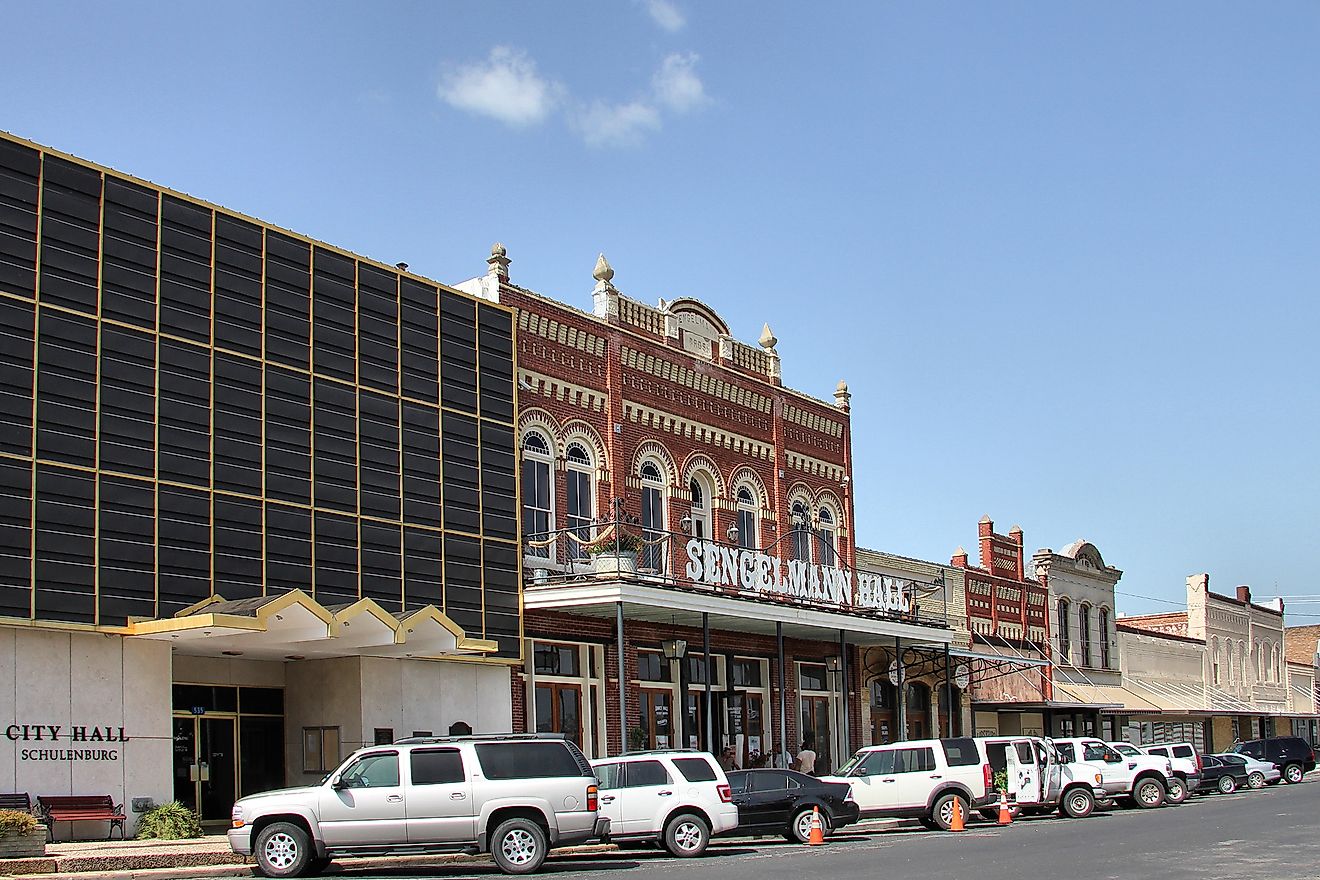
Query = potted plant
x=21 y=835
x=1000 y=780
x=615 y=555
x=636 y=738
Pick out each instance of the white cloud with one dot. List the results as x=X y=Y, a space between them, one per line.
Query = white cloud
x=614 y=125
x=666 y=14
x=676 y=84
x=506 y=86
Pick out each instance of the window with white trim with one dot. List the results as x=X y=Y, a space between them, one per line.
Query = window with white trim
x=581 y=497
x=537 y=492
x=801 y=540
x=826 y=532
x=652 y=555
x=747 y=507
x=702 y=495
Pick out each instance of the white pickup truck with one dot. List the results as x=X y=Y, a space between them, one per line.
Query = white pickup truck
x=1144 y=781
x=1040 y=781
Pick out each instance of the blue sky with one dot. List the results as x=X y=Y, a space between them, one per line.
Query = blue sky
x=1064 y=254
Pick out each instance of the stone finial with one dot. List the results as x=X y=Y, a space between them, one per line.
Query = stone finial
x=842 y=397
x=768 y=340
x=1016 y=530
x=604 y=272
x=986 y=518
x=498 y=261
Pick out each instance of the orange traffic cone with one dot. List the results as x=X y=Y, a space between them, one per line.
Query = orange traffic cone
x=1005 y=817
x=956 y=820
x=817 y=836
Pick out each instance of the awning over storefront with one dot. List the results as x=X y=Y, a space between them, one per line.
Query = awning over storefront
x=658 y=604
x=293 y=625
x=1171 y=697
x=1303 y=702
x=1108 y=698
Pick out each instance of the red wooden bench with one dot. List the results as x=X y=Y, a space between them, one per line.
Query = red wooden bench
x=82 y=808
x=16 y=801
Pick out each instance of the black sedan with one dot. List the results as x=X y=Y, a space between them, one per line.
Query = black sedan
x=781 y=802
x=1219 y=775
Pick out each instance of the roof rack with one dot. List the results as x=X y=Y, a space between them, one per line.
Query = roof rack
x=663 y=752
x=478 y=737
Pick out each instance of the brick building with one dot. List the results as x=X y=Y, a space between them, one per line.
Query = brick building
x=679 y=502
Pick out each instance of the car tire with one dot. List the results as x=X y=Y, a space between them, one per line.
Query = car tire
x=1077 y=804
x=1178 y=791
x=799 y=827
x=928 y=823
x=316 y=867
x=686 y=836
x=1256 y=779
x=1293 y=773
x=1148 y=794
x=283 y=849
x=942 y=812
x=518 y=846
x=1226 y=785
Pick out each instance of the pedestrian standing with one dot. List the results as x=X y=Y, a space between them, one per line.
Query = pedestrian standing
x=806 y=756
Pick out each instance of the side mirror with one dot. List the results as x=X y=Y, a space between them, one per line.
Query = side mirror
x=338 y=783
x=1113 y=759
x=860 y=771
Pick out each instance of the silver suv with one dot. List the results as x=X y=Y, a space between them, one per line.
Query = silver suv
x=513 y=796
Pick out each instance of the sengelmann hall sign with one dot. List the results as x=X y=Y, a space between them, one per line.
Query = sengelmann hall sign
x=79 y=734
x=719 y=565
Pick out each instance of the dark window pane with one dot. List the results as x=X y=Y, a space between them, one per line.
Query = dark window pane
x=530 y=760
x=436 y=766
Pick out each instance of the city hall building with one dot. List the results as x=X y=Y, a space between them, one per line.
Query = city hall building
x=258 y=497
x=691 y=576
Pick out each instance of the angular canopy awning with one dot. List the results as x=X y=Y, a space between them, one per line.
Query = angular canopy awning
x=294 y=626
x=1111 y=698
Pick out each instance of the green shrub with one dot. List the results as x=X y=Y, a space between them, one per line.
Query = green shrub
x=172 y=821
x=17 y=821
x=1001 y=780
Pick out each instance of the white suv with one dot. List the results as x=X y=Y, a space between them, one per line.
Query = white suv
x=1184 y=759
x=1144 y=780
x=919 y=779
x=1175 y=786
x=676 y=798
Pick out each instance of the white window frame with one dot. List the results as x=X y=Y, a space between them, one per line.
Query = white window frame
x=655 y=552
x=749 y=513
x=538 y=458
x=703 y=515
x=575 y=468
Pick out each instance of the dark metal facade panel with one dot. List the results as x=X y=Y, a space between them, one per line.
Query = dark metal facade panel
x=195 y=403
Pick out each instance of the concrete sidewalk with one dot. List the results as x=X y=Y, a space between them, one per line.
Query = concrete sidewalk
x=210 y=857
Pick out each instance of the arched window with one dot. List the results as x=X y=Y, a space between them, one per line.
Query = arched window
x=1242 y=659
x=801 y=541
x=918 y=710
x=653 y=517
x=579 y=475
x=1065 y=634
x=747 y=534
x=537 y=495
x=1232 y=667
x=1276 y=674
x=702 y=526
x=1104 y=637
x=1084 y=626
x=947 y=689
x=826 y=532
x=1214 y=660
x=1260 y=661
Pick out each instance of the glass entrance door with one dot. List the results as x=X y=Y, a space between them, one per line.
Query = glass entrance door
x=206 y=765
x=816 y=723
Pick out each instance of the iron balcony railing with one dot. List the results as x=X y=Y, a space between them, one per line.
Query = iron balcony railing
x=778 y=573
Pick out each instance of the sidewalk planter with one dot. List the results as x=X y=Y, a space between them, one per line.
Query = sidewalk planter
x=21 y=839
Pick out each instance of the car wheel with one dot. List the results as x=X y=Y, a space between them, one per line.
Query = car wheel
x=1078 y=804
x=518 y=846
x=686 y=836
x=928 y=823
x=1177 y=790
x=283 y=850
x=1149 y=794
x=1256 y=779
x=989 y=815
x=1227 y=784
x=1293 y=773
x=942 y=815
x=799 y=827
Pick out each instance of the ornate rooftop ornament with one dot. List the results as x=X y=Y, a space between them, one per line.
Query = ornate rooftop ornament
x=604 y=271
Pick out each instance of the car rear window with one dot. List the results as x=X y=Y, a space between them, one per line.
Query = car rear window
x=961 y=752
x=436 y=766
x=529 y=760
x=695 y=769
x=638 y=774
x=1162 y=752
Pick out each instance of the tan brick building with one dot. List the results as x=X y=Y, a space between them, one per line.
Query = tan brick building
x=679 y=501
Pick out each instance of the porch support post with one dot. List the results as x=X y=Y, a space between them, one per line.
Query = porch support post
x=710 y=671
x=623 y=680
x=783 y=697
x=948 y=694
x=846 y=751
x=900 y=689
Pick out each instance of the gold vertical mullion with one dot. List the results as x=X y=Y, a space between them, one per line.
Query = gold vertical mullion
x=36 y=339
x=357 y=412
x=481 y=479
x=96 y=415
x=440 y=443
x=311 y=412
x=265 y=585
x=398 y=371
x=155 y=493
x=210 y=495
x=517 y=501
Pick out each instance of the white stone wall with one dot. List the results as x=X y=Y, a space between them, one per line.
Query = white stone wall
x=81 y=679
x=1153 y=658
x=1088 y=584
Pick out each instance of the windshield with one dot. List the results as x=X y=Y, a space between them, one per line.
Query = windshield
x=847 y=769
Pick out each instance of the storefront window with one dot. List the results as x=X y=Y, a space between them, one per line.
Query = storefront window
x=813 y=677
x=697 y=669
x=556 y=659
x=559 y=710
x=651 y=666
x=745 y=672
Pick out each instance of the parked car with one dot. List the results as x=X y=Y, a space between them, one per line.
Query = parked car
x=783 y=801
x=1259 y=773
x=1142 y=781
x=1184 y=759
x=1222 y=776
x=513 y=796
x=1039 y=781
x=1176 y=786
x=676 y=798
x=920 y=779
x=1291 y=754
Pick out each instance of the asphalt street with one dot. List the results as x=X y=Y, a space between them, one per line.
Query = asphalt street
x=1252 y=834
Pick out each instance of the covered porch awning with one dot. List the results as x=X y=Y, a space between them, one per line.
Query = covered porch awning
x=659 y=604
x=1111 y=699
x=294 y=626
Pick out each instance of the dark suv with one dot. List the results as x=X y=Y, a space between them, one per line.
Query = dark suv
x=1291 y=754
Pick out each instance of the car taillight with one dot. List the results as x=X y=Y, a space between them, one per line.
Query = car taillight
x=1099 y=779
x=989 y=776
x=1199 y=765
x=593 y=798
x=726 y=794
